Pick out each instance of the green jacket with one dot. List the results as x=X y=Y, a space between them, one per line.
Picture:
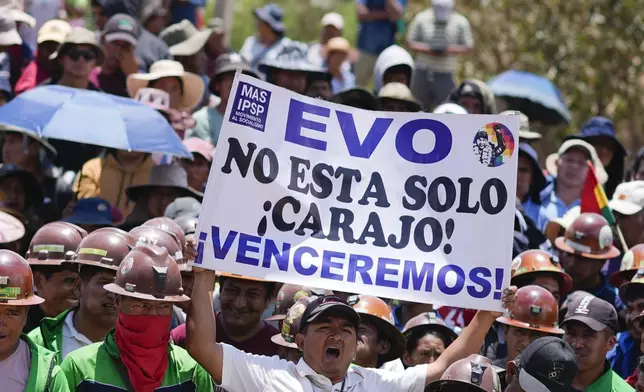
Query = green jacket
x=50 y=334
x=92 y=368
x=44 y=374
x=609 y=382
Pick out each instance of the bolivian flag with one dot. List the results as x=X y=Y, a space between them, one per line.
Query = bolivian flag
x=593 y=197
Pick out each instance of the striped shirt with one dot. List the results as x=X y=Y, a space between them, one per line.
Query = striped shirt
x=425 y=29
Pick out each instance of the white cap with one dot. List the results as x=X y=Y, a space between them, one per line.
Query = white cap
x=333 y=19
x=628 y=198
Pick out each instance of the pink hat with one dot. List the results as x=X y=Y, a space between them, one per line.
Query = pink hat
x=200 y=146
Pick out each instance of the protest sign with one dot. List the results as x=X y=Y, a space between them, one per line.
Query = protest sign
x=410 y=206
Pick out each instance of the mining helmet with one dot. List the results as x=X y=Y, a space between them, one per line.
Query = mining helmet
x=16 y=281
x=54 y=243
x=536 y=309
x=589 y=236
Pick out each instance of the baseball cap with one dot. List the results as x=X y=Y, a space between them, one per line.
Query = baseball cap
x=592 y=311
x=628 y=198
x=333 y=19
x=329 y=304
x=548 y=364
x=54 y=30
x=121 y=27
x=551 y=160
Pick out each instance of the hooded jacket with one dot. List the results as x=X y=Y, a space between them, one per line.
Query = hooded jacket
x=44 y=374
x=50 y=334
x=105 y=177
x=93 y=368
x=149 y=47
x=390 y=57
x=489 y=105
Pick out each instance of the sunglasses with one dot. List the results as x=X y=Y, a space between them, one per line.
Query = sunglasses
x=76 y=53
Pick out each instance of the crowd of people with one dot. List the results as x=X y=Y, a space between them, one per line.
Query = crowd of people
x=95 y=289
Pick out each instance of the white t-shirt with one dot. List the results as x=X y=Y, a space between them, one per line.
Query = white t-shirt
x=14 y=371
x=250 y=373
x=72 y=339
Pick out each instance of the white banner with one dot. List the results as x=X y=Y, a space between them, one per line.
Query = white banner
x=411 y=206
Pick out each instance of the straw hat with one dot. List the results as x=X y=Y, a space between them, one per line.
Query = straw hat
x=193 y=86
x=551 y=160
x=337 y=44
x=15 y=10
x=183 y=38
x=399 y=92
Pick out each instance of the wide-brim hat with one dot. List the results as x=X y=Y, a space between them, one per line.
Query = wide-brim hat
x=10 y=37
x=193 y=85
x=600 y=171
x=301 y=65
x=49 y=149
x=11 y=11
x=164 y=176
x=519 y=324
x=390 y=333
x=280 y=341
x=11 y=229
x=272 y=15
x=192 y=45
x=562 y=245
x=116 y=289
x=618 y=278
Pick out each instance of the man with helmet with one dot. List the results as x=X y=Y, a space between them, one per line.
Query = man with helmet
x=287 y=295
x=472 y=374
x=426 y=338
x=137 y=355
x=379 y=341
x=584 y=249
x=540 y=268
x=591 y=324
x=57 y=282
x=98 y=257
x=290 y=327
x=24 y=365
x=535 y=314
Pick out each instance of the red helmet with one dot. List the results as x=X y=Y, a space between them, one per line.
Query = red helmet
x=286 y=298
x=16 y=281
x=149 y=235
x=589 y=236
x=632 y=261
x=54 y=243
x=149 y=273
x=168 y=225
x=536 y=309
x=535 y=260
x=373 y=309
x=105 y=248
x=472 y=374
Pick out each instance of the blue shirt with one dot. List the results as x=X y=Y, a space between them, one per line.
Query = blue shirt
x=624 y=356
x=181 y=10
x=606 y=292
x=376 y=35
x=349 y=81
x=551 y=207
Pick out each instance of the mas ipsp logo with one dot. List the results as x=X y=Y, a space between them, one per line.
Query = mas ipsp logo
x=250 y=106
x=493 y=144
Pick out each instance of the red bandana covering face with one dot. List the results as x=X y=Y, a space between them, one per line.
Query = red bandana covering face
x=143 y=344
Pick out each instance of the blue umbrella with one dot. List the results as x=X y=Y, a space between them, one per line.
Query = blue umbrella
x=91 y=117
x=534 y=95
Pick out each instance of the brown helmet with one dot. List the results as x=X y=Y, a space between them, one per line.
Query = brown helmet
x=429 y=322
x=148 y=272
x=636 y=280
x=105 y=248
x=373 y=309
x=589 y=236
x=149 y=235
x=291 y=325
x=286 y=298
x=16 y=281
x=474 y=373
x=535 y=260
x=187 y=223
x=169 y=225
x=54 y=243
x=536 y=309
x=632 y=261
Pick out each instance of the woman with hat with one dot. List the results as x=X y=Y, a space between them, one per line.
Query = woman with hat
x=24 y=365
x=98 y=257
x=209 y=119
x=426 y=337
x=185 y=88
x=269 y=38
x=137 y=354
x=166 y=183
